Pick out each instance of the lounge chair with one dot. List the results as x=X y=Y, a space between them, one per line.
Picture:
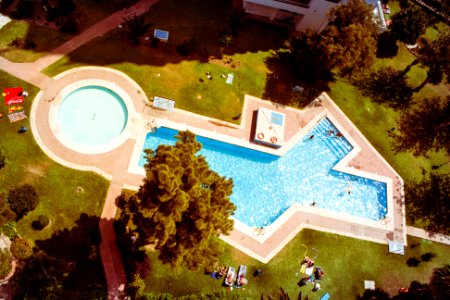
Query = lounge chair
x=325 y=297
x=241 y=280
x=230 y=278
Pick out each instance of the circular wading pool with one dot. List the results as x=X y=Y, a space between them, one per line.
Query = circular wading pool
x=91 y=117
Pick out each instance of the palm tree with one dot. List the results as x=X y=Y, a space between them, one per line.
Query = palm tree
x=137 y=27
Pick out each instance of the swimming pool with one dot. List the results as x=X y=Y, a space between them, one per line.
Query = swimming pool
x=265 y=185
x=92 y=116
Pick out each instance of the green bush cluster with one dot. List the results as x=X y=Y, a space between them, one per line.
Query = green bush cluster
x=5 y=263
x=9 y=229
x=40 y=223
x=2 y=158
x=6 y=214
x=21 y=248
x=23 y=199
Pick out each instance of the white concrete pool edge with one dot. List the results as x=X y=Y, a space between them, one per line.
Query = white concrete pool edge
x=55 y=126
x=385 y=162
x=50 y=153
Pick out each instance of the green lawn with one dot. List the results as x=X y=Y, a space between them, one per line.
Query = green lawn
x=346 y=262
x=373 y=120
x=44 y=39
x=47 y=39
x=164 y=72
x=70 y=212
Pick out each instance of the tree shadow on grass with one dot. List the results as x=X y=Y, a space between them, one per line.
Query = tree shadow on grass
x=185 y=42
x=69 y=262
x=285 y=87
x=387 y=87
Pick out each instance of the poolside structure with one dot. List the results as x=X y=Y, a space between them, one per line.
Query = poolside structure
x=120 y=162
x=269 y=127
x=163 y=103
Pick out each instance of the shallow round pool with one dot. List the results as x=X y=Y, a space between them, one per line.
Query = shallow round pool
x=92 y=116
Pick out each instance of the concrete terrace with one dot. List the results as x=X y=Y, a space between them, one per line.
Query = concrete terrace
x=120 y=165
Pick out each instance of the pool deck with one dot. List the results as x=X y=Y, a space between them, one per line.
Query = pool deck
x=118 y=164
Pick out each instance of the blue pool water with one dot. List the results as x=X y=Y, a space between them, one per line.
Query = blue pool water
x=265 y=185
x=92 y=116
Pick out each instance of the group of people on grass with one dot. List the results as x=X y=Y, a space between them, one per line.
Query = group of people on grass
x=314 y=274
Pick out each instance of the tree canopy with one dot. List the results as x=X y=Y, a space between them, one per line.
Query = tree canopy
x=350 y=38
x=429 y=202
x=386 y=86
x=182 y=205
x=137 y=27
x=23 y=199
x=408 y=25
x=305 y=54
x=348 y=45
x=425 y=127
x=435 y=56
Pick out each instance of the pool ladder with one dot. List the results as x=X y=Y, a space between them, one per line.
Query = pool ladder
x=152 y=126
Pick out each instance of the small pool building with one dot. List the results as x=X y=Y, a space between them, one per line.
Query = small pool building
x=269 y=128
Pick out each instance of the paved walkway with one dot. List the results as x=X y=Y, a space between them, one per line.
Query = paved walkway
x=435 y=237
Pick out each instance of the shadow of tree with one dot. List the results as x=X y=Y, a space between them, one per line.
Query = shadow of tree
x=68 y=264
x=43 y=32
x=424 y=127
x=386 y=86
x=437 y=288
x=285 y=87
x=429 y=202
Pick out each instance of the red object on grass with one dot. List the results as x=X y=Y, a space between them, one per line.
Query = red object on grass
x=13 y=95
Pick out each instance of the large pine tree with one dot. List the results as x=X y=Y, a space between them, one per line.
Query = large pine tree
x=183 y=206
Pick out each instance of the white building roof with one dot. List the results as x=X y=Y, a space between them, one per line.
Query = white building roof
x=163 y=103
x=270 y=127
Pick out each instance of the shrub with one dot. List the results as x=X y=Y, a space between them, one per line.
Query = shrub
x=18 y=43
x=30 y=45
x=61 y=8
x=136 y=287
x=186 y=47
x=24 y=9
x=5 y=263
x=40 y=223
x=21 y=248
x=386 y=45
x=6 y=214
x=23 y=199
x=155 y=42
x=2 y=158
x=65 y=7
x=4 y=4
x=9 y=229
x=69 y=25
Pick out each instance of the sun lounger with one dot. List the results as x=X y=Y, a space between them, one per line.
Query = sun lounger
x=230 y=278
x=325 y=297
x=241 y=280
x=17 y=116
x=230 y=78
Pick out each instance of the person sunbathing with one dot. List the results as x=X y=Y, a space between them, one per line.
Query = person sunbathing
x=242 y=280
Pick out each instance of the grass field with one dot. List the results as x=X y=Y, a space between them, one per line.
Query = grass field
x=347 y=262
x=73 y=214
x=45 y=39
